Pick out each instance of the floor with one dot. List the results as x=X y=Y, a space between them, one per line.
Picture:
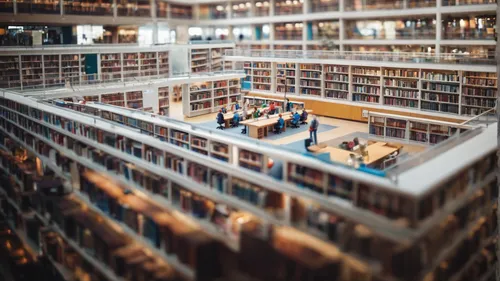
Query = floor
x=338 y=131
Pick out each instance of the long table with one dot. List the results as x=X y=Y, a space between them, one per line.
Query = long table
x=377 y=152
x=259 y=128
x=228 y=117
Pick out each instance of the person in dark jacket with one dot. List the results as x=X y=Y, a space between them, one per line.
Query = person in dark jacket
x=220 y=120
x=313 y=130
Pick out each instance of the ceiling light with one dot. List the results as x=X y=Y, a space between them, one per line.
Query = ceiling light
x=242 y=6
x=249 y=4
x=220 y=8
x=258 y=4
x=235 y=7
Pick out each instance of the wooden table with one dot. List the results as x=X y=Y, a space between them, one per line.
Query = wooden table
x=258 y=128
x=228 y=117
x=377 y=152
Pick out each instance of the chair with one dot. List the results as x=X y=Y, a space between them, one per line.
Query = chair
x=295 y=124
x=235 y=124
x=277 y=128
x=303 y=121
x=244 y=130
x=221 y=126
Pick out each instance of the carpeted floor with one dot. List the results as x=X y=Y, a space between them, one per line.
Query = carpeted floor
x=289 y=131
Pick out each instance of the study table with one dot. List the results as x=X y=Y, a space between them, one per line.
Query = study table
x=377 y=153
x=259 y=128
x=228 y=117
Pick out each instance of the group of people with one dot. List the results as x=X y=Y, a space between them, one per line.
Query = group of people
x=297 y=118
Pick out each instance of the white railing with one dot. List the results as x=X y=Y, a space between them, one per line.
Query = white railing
x=449 y=58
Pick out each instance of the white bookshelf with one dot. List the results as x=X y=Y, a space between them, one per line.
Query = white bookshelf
x=411 y=129
x=210 y=96
x=441 y=91
x=286 y=78
x=310 y=81
x=200 y=60
x=366 y=84
x=262 y=76
x=148 y=64
x=401 y=87
x=130 y=65
x=337 y=82
x=164 y=100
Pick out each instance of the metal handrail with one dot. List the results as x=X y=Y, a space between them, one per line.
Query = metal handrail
x=448 y=58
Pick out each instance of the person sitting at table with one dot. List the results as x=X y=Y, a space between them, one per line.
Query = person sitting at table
x=256 y=113
x=288 y=105
x=223 y=109
x=220 y=120
x=295 y=120
x=279 y=125
x=303 y=117
x=236 y=106
x=272 y=108
x=236 y=119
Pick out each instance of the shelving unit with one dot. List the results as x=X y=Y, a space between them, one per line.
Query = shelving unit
x=479 y=92
x=163 y=63
x=412 y=129
x=72 y=67
x=111 y=67
x=134 y=99
x=441 y=91
x=310 y=79
x=52 y=69
x=210 y=96
x=164 y=100
x=366 y=84
x=401 y=87
x=199 y=60
x=10 y=71
x=130 y=65
x=32 y=70
x=216 y=59
x=117 y=99
x=261 y=76
x=286 y=78
x=149 y=64
x=336 y=81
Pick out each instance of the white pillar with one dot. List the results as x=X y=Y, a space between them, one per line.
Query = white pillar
x=115 y=9
x=439 y=27
x=271 y=8
x=229 y=9
x=341 y=35
x=155 y=32
x=305 y=7
x=153 y=10
x=304 y=34
x=252 y=9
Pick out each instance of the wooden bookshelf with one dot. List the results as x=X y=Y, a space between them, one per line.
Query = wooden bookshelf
x=164 y=100
x=10 y=71
x=411 y=130
x=336 y=81
x=310 y=79
x=199 y=60
x=479 y=92
x=441 y=91
x=286 y=78
x=149 y=64
x=261 y=76
x=111 y=66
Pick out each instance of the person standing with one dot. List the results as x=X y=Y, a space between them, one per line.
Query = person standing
x=313 y=130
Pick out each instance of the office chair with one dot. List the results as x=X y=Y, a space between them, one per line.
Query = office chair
x=277 y=129
x=221 y=126
x=294 y=125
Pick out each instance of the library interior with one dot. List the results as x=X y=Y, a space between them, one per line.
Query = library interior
x=249 y=140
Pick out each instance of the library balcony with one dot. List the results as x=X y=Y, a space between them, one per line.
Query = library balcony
x=468 y=2
x=38 y=7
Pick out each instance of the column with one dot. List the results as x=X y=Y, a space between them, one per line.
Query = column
x=155 y=32
x=169 y=16
x=305 y=7
x=271 y=36
x=115 y=9
x=271 y=8
x=15 y=9
x=196 y=12
x=153 y=11
x=252 y=9
x=438 y=31
x=304 y=34
x=341 y=35
x=229 y=9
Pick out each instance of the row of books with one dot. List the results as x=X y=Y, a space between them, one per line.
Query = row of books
x=366 y=71
x=199 y=96
x=262 y=79
x=197 y=87
x=366 y=80
x=487 y=82
x=447 y=77
x=479 y=102
x=401 y=73
x=395 y=133
x=220 y=84
x=337 y=77
x=439 y=107
x=112 y=97
x=313 y=92
x=366 y=89
x=479 y=92
x=401 y=93
x=286 y=65
x=262 y=87
x=364 y=98
x=262 y=72
x=401 y=102
x=337 y=86
x=316 y=67
x=220 y=101
x=311 y=83
x=310 y=74
x=261 y=65
x=289 y=89
x=401 y=83
x=220 y=92
x=336 y=69
x=336 y=94
x=440 y=97
x=440 y=87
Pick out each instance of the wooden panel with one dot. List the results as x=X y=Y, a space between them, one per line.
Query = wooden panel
x=352 y=112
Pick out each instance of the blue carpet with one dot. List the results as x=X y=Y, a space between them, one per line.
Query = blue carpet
x=289 y=131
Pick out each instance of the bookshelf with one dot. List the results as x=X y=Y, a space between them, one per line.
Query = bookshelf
x=390 y=215
x=130 y=65
x=138 y=8
x=85 y=7
x=216 y=59
x=441 y=91
x=366 y=84
x=10 y=71
x=401 y=87
x=310 y=79
x=164 y=100
x=31 y=70
x=336 y=79
x=286 y=78
x=210 y=96
x=261 y=76
x=111 y=66
x=412 y=129
x=52 y=69
x=288 y=31
x=117 y=99
x=479 y=92
x=149 y=64
x=163 y=63
x=72 y=66
x=199 y=60
x=134 y=99
x=181 y=11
